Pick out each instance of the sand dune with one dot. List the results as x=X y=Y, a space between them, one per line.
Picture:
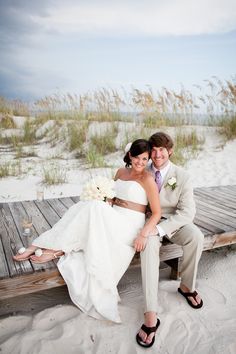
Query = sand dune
x=211 y=330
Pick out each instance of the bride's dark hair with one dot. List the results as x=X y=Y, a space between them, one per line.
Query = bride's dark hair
x=138 y=147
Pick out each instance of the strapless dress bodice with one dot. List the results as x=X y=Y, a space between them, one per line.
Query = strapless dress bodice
x=131 y=191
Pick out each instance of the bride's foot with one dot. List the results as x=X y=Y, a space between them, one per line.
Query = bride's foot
x=45 y=256
x=24 y=253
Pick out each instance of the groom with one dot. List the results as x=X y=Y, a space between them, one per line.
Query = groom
x=178 y=211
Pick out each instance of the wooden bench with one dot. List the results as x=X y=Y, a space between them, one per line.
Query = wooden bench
x=216 y=217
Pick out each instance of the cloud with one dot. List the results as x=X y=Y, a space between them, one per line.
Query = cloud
x=50 y=44
x=121 y=18
x=149 y=18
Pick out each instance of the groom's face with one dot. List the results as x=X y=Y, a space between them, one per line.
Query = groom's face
x=160 y=156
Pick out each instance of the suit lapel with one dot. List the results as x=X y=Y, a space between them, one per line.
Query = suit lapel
x=169 y=174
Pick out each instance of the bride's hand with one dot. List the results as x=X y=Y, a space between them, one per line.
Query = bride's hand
x=140 y=243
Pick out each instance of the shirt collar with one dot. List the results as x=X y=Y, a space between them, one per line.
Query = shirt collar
x=163 y=171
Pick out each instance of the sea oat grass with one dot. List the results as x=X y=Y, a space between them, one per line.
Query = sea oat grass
x=5 y=170
x=94 y=159
x=53 y=175
x=187 y=146
x=20 y=108
x=178 y=157
x=77 y=136
x=228 y=127
x=7 y=122
x=157 y=121
x=188 y=139
x=29 y=132
x=105 y=143
x=20 y=152
x=5 y=106
x=13 y=140
x=10 y=169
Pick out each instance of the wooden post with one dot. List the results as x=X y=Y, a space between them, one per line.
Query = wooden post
x=174 y=264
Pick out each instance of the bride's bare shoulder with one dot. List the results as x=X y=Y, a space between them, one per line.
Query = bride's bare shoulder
x=148 y=178
x=121 y=172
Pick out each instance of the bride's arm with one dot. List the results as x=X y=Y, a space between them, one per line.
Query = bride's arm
x=150 y=226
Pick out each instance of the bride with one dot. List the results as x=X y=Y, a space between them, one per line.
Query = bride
x=96 y=241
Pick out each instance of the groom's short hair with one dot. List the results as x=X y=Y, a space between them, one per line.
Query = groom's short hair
x=161 y=139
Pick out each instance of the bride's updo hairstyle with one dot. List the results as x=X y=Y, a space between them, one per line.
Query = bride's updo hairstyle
x=138 y=147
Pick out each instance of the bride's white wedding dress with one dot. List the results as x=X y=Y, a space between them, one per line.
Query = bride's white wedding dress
x=98 y=243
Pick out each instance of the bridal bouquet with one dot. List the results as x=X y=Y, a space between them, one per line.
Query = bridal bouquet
x=99 y=188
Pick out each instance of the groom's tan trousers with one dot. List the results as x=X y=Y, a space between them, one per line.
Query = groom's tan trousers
x=191 y=239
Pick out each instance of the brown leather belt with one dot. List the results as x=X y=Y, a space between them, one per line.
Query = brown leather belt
x=129 y=205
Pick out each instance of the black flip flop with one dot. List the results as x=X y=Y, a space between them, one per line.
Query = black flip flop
x=147 y=330
x=194 y=295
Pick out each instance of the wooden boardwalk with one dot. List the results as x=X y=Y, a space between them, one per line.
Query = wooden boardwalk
x=216 y=217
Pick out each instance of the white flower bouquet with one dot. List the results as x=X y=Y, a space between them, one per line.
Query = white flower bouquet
x=99 y=188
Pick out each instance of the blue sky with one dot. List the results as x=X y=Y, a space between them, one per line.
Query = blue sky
x=77 y=46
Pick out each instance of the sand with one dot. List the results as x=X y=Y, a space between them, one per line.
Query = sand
x=211 y=330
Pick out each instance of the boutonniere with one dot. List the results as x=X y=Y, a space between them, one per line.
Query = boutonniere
x=171 y=183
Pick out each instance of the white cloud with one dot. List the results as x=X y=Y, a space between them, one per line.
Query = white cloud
x=152 y=18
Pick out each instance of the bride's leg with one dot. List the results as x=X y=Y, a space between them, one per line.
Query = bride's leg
x=46 y=255
x=23 y=256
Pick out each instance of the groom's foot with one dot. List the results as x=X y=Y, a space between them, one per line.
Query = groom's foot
x=195 y=300
x=150 y=321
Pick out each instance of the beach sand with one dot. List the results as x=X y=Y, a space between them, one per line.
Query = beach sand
x=65 y=329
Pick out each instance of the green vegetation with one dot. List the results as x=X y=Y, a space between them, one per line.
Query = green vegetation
x=228 y=127
x=10 y=169
x=187 y=145
x=54 y=175
x=94 y=158
x=77 y=136
x=7 y=122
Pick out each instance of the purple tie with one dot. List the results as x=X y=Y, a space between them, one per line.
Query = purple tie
x=158 y=179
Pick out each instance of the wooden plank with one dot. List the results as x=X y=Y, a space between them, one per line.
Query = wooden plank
x=11 y=242
x=217 y=217
x=75 y=199
x=40 y=224
x=229 y=193
x=170 y=251
x=203 y=222
x=216 y=199
x=68 y=202
x=201 y=204
x=225 y=223
x=30 y=283
x=215 y=192
x=48 y=212
x=19 y=214
x=4 y=271
x=58 y=206
x=219 y=240
x=212 y=202
x=226 y=196
x=228 y=188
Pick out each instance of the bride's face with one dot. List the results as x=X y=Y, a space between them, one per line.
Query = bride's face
x=139 y=162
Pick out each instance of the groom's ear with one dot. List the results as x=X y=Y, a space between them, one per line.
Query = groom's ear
x=170 y=152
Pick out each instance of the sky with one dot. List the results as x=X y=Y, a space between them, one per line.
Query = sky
x=79 y=46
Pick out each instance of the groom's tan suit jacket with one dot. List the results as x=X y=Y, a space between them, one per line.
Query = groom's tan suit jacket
x=177 y=206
